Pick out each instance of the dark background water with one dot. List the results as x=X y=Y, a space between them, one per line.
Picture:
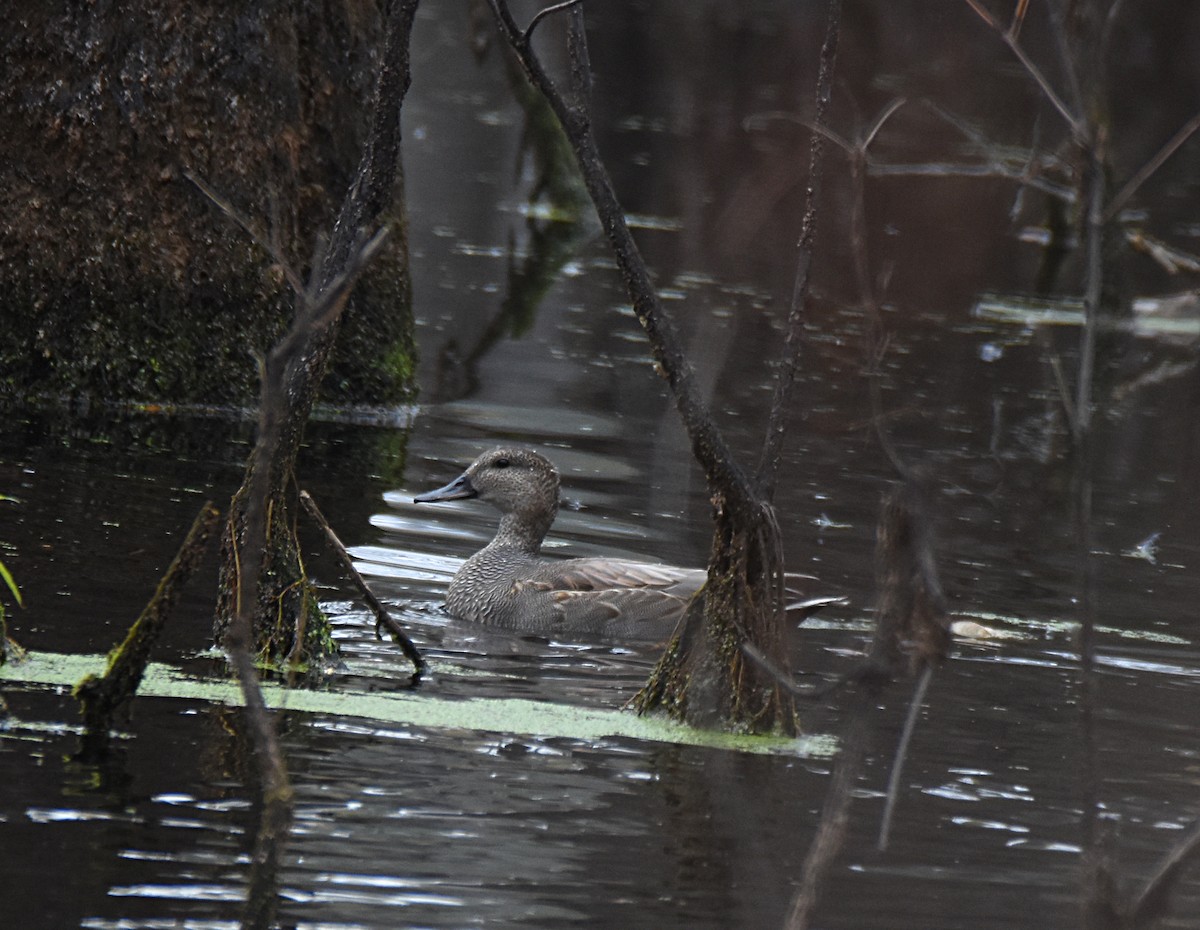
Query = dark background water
x=422 y=828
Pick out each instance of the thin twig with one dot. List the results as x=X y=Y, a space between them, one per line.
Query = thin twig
x=1151 y=902
x=995 y=152
x=1110 y=21
x=382 y=617
x=542 y=14
x=998 y=166
x=1143 y=174
x=994 y=170
x=1071 y=63
x=910 y=724
x=780 y=677
x=1074 y=122
x=835 y=813
x=708 y=445
x=1093 y=288
x=1099 y=892
x=756 y=120
x=864 y=672
x=785 y=378
x=317 y=309
x=882 y=118
x=1014 y=30
x=329 y=302
x=268 y=246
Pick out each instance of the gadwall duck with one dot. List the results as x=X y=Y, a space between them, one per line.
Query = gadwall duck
x=509 y=584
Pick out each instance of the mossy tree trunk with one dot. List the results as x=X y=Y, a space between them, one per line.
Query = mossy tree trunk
x=287 y=625
x=704 y=676
x=121 y=283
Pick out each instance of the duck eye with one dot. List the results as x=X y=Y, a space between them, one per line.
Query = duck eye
x=500 y=463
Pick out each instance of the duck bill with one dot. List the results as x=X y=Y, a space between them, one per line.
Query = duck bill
x=460 y=489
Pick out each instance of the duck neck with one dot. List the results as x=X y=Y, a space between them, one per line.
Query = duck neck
x=522 y=531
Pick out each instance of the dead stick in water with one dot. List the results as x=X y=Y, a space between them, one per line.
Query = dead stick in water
x=1152 y=901
x=910 y=724
x=101 y=698
x=827 y=842
x=382 y=617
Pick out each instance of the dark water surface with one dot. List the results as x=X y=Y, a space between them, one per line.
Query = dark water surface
x=526 y=337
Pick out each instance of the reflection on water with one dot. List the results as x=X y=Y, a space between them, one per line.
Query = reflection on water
x=407 y=827
x=415 y=827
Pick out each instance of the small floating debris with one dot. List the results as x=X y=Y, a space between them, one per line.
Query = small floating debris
x=660 y=223
x=1147 y=549
x=823 y=522
x=1151 y=316
x=971 y=629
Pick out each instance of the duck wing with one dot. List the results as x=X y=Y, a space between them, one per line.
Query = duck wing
x=602 y=574
x=615 y=595
x=624 y=597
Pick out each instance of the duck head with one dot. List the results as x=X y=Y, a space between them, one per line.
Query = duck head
x=520 y=483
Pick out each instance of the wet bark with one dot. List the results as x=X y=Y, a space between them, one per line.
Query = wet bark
x=288 y=627
x=704 y=676
x=121 y=283
x=101 y=699
x=382 y=617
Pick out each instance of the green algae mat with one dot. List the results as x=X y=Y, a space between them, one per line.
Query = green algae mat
x=515 y=716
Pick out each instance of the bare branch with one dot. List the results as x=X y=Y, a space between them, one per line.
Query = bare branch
x=757 y=119
x=882 y=118
x=910 y=724
x=1110 y=21
x=785 y=379
x=1018 y=18
x=1151 y=901
x=382 y=617
x=993 y=170
x=318 y=306
x=580 y=60
x=1064 y=392
x=267 y=245
x=996 y=167
x=835 y=812
x=1074 y=122
x=987 y=17
x=1143 y=174
x=1093 y=287
x=371 y=194
x=527 y=35
x=331 y=299
x=708 y=444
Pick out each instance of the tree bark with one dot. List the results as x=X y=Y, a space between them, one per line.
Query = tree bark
x=704 y=676
x=287 y=623
x=121 y=283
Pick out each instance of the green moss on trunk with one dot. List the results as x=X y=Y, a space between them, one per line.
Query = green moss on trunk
x=120 y=281
x=704 y=678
